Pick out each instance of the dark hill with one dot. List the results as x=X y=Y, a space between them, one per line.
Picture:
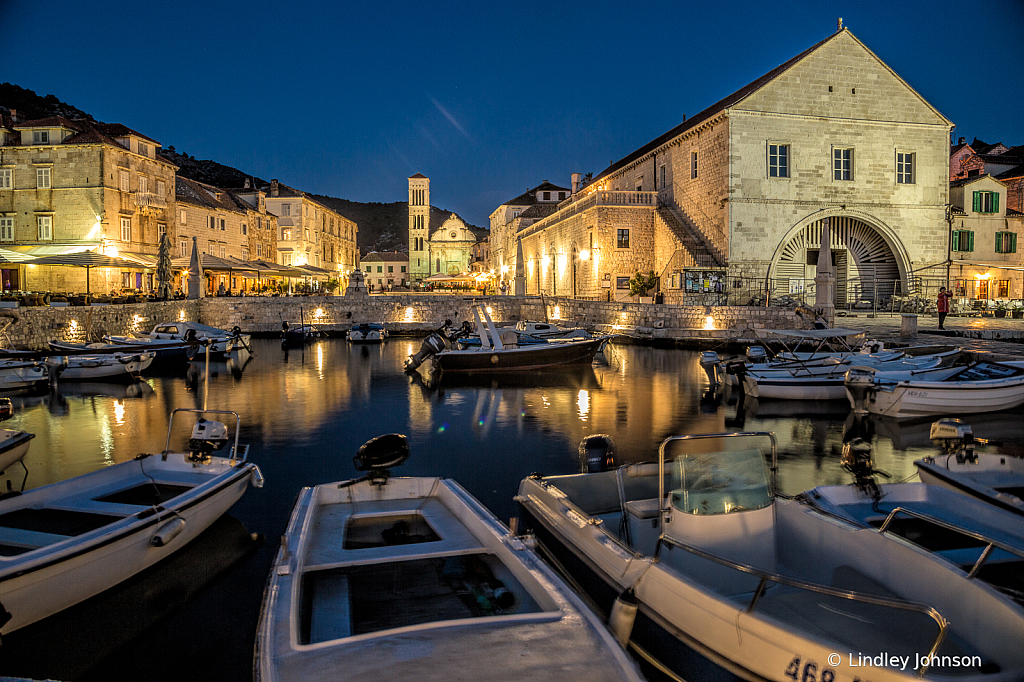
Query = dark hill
x=382 y=227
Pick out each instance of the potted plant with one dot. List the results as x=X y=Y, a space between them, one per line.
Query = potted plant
x=1017 y=313
x=640 y=286
x=1001 y=311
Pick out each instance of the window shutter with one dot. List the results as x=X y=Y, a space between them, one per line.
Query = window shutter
x=1013 y=242
x=999 y=242
x=956 y=240
x=970 y=240
x=995 y=202
x=977 y=202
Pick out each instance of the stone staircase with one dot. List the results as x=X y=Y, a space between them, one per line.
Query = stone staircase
x=703 y=252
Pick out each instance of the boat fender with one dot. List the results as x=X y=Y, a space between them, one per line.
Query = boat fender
x=622 y=616
x=257 y=478
x=494 y=359
x=167 y=532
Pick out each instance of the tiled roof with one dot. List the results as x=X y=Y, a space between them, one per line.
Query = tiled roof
x=418 y=176
x=118 y=130
x=1015 y=172
x=50 y=122
x=1005 y=158
x=953 y=149
x=84 y=127
x=1013 y=213
x=960 y=182
x=199 y=194
x=530 y=196
x=385 y=256
x=538 y=211
x=715 y=108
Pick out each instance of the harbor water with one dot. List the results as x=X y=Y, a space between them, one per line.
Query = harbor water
x=305 y=412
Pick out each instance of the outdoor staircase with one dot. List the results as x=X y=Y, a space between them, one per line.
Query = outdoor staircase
x=704 y=253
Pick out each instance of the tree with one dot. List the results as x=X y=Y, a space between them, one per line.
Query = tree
x=640 y=284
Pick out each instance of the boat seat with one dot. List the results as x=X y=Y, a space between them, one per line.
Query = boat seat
x=643 y=509
x=28 y=539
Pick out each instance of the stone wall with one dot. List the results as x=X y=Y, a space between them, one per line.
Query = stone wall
x=402 y=313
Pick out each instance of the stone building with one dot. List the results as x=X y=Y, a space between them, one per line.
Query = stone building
x=76 y=185
x=997 y=160
x=480 y=256
x=509 y=218
x=986 y=260
x=735 y=196
x=310 y=233
x=384 y=268
x=435 y=249
x=262 y=224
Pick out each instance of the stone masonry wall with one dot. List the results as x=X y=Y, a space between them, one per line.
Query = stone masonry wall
x=402 y=313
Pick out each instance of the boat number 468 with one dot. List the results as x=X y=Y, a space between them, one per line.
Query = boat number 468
x=809 y=671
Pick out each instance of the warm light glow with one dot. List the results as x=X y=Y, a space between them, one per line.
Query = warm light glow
x=300 y=260
x=181 y=315
x=489 y=310
x=546 y=260
x=137 y=318
x=557 y=314
x=583 y=404
x=504 y=269
x=96 y=231
x=110 y=250
x=408 y=314
x=987 y=275
x=31 y=265
x=562 y=261
x=73 y=326
x=119 y=412
x=319 y=313
x=584 y=254
x=709 y=322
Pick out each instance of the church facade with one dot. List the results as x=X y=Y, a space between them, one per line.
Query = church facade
x=738 y=194
x=444 y=249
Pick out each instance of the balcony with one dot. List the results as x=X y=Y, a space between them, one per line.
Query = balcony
x=150 y=200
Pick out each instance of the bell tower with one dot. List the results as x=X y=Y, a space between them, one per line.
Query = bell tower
x=419 y=227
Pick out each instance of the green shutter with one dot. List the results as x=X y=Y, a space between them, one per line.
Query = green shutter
x=977 y=202
x=999 y=242
x=956 y=240
x=970 y=241
x=995 y=202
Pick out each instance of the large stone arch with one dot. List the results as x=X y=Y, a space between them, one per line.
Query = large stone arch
x=871 y=261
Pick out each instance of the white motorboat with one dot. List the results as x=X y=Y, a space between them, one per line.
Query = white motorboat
x=105 y=366
x=18 y=374
x=65 y=542
x=367 y=332
x=968 y=533
x=731 y=580
x=549 y=330
x=384 y=578
x=993 y=478
x=979 y=387
x=221 y=341
x=825 y=381
x=13 y=446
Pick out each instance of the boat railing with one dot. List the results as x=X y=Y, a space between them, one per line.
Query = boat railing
x=701 y=436
x=990 y=543
x=766 y=577
x=238 y=454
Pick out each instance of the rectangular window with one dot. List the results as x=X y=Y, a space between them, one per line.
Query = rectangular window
x=259 y=250
x=44 y=227
x=547 y=196
x=6 y=229
x=183 y=248
x=287 y=258
x=161 y=230
x=212 y=222
x=391 y=268
x=245 y=229
x=380 y=268
x=126 y=229
x=986 y=202
x=622 y=282
x=622 y=240
x=1003 y=288
x=1006 y=242
x=403 y=268
x=182 y=217
x=662 y=171
x=286 y=209
x=842 y=164
x=124 y=181
x=778 y=160
x=639 y=184
x=245 y=253
x=211 y=248
x=693 y=165
x=6 y=178
x=143 y=148
x=221 y=224
x=963 y=240
x=286 y=235
x=143 y=184
x=222 y=252
x=161 y=188
x=126 y=280
x=904 y=168
x=561 y=195
x=40 y=137
x=369 y=268
x=43 y=178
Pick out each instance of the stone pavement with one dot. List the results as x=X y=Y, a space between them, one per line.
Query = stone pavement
x=999 y=338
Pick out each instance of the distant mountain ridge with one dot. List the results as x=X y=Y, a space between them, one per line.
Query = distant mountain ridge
x=382 y=227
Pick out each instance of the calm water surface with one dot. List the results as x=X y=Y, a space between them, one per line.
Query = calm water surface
x=306 y=412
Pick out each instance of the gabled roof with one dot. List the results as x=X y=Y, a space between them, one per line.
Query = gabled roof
x=50 y=122
x=980 y=147
x=385 y=256
x=200 y=194
x=418 y=176
x=530 y=196
x=953 y=149
x=1013 y=173
x=738 y=96
x=960 y=182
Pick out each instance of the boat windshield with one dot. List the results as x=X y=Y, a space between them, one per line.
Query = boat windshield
x=719 y=482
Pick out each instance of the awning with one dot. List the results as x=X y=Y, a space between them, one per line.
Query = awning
x=999 y=266
x=146 y=260
x=207 y=262
x=16 y=254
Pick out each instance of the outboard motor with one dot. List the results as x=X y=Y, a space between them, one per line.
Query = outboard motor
x=597 y=454
x=860 y=383
x=207 y=437
x=757 y=355
x=709 y=360
x=432 y=345
x=856 y=459
x=377 y=456
x=955 y=438
x=871 y=347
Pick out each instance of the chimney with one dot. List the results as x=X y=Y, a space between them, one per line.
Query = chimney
x=576 y=177
x=273 y=188
x=246 y=185
x=963 y=140
x=14 y=116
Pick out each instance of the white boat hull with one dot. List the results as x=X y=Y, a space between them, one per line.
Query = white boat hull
x=39 y=583
x=13 y=447
x=90 y=368
x=801 y=388
x=15 y=375
x=996 y=479
x=923 y=398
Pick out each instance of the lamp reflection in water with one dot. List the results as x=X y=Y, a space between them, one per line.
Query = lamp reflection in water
x=583 y=404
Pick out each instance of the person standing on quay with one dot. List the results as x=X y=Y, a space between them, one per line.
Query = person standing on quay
x=942 y=305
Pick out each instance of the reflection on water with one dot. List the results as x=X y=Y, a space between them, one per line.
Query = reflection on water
x=305 y=411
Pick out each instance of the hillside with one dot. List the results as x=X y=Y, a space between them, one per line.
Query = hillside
x=382 y=227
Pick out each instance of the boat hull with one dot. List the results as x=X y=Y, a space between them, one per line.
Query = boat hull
x=801 y=388
x=932 y=473
x=91 y=368
x=923 y=398
x=15 y=375
x=13 y=449
x=536 y=356
x=40 y=583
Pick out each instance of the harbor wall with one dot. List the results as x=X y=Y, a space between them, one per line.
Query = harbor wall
x=403 y=313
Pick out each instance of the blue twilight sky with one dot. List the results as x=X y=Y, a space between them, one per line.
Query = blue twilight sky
x=485 y=98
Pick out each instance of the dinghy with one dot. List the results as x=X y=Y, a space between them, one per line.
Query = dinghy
x=383 y=578
x=299 y=334
x=13 y=446
x=98 y=367
x=993 y=478
x=367 y=332
x=19 y=374
x=65 y=542
x=978 y=387
x=730 y=581
x=222 y=341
